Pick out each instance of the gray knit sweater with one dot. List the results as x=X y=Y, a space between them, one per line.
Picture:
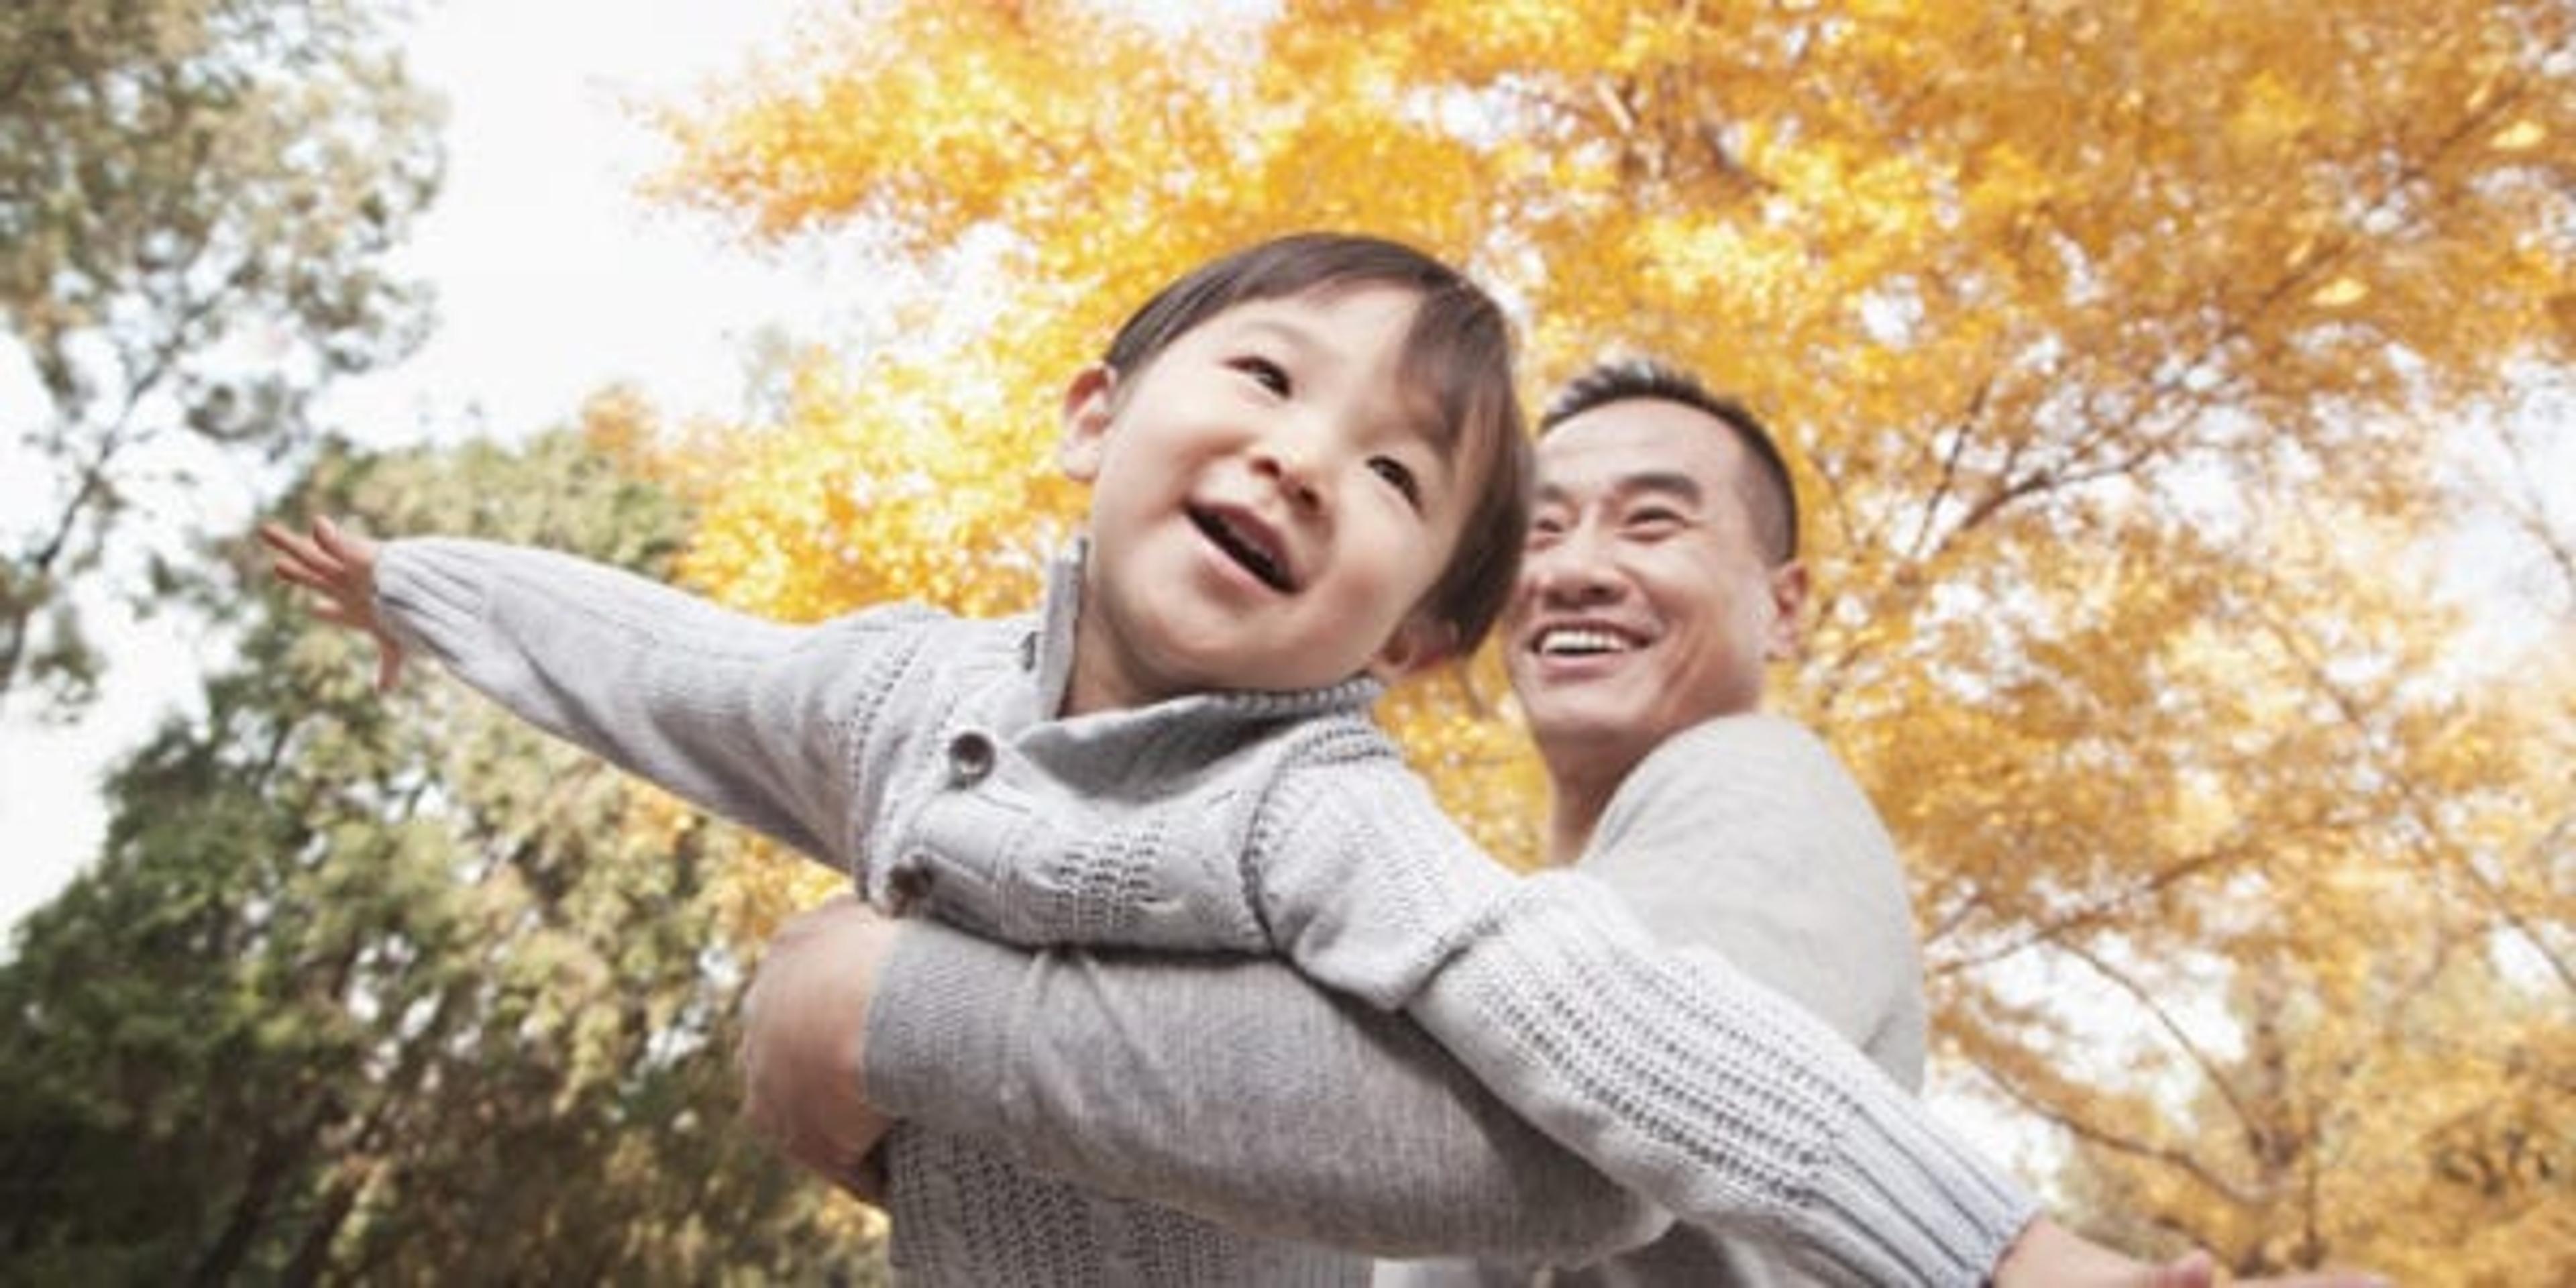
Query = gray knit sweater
x=922 y=753
x=1234 y=1088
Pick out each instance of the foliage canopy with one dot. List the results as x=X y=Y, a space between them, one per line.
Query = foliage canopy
x=2126 y=350
x=196 y=202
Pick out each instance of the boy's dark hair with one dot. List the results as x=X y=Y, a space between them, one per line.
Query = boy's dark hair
x=1769 y=495
x=1458 y=351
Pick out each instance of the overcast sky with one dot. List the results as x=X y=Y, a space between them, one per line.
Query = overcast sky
x=553 y=281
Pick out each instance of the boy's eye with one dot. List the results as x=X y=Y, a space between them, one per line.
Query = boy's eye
x=1271 y=375
x=1398 y=477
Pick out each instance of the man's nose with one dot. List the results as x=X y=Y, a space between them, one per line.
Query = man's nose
x=1574 y=568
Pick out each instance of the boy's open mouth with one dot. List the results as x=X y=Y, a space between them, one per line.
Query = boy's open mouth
x=1248 y=543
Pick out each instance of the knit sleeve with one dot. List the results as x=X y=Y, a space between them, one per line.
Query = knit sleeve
x=761 y=722
x=1673 y=1073
x=1232 y=1088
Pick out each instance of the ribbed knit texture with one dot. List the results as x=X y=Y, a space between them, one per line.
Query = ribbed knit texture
x=913 y=749
x=1345 y=1125
x=1743 y=836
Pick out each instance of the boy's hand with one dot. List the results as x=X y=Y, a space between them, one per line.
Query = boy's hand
x=341 y=568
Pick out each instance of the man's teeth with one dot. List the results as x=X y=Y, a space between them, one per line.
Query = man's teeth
x=1559 y=643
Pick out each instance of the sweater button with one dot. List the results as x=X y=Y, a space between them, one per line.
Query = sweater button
x=909 y=884
x=970 y=759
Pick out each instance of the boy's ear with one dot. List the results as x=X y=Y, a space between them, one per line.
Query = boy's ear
x=1090 y=402
x=1421 y=641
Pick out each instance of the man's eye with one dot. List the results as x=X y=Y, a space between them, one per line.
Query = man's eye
x=1271 y=375
x=1398 y=477
x=1653 y=522
x=1544 y=531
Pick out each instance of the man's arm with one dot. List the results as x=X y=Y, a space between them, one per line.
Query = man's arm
x=1125 y=1072
x=1358 y=1134
x=1232 y=1088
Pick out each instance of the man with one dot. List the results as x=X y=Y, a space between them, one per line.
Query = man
x=1660 y=575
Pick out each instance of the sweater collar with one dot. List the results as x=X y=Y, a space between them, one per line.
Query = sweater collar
x=1049 y=653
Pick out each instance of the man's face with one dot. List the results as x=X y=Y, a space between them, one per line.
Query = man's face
x=1270 y=503
x=1645 y=603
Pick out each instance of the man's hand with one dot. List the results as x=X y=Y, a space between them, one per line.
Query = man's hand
x=341 y=568
x=2048 y=1255
x=804 y=1039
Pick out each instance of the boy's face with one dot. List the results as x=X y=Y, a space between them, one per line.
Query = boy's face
x=1270 y=505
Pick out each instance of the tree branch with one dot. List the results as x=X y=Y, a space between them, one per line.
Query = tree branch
x=2417 y=811
x=2107 y=1139
x=2209 y=1068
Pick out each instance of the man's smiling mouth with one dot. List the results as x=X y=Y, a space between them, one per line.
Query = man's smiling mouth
x=1248 y=543
x=1579 y=641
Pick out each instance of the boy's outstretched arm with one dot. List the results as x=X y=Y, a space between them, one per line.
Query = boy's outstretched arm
x=340 y=566
x=768 y=724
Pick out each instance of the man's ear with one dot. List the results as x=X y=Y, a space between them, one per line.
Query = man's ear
x=1420 y=642
x=1090 y=404
x=1787 y=635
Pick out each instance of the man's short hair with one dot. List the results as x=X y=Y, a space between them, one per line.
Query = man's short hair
x=1770 y=497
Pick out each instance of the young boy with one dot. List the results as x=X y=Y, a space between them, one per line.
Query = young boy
x=1308 y=478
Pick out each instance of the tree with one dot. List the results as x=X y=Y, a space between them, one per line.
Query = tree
x=196 y=202
x=2123 y=348
x=393 y=989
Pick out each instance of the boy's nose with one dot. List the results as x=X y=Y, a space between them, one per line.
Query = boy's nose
x=1284 y=461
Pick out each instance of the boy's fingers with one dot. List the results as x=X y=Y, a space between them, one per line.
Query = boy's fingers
x=294 y=554
x=329 y=542
x=302 y=574
x=335 y=566
x=283 y=537
x=287 y=545
x=347 y=547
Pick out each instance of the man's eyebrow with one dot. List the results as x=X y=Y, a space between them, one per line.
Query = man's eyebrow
x=1671 y=483
x=1664 y=482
